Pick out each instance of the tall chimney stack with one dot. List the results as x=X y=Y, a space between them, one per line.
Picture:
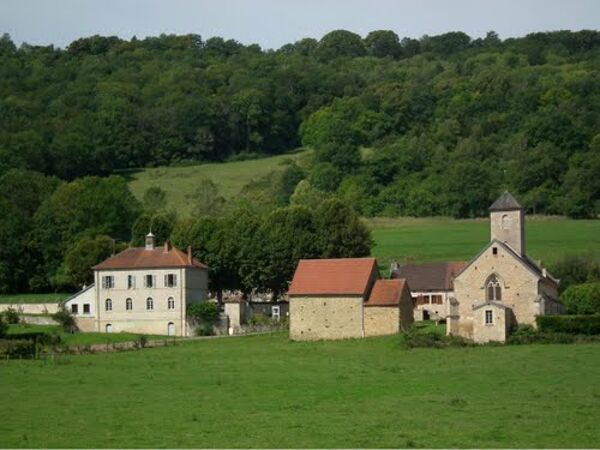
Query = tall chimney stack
x=189 y=254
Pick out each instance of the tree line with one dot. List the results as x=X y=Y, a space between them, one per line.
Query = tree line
x=53 y=232
x=431 y=126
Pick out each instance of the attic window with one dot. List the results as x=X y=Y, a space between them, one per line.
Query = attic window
x=495 y=251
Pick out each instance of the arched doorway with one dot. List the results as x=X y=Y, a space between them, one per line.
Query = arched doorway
x=171 y=329
x=108 y=328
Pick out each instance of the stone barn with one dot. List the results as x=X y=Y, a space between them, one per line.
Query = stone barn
x=343 y=298
x=389 y=309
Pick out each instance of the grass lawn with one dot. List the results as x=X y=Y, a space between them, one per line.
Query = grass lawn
x=265 y=391
x=445 y=239
x=79 y=338
x=34 y=298
x=180 y=182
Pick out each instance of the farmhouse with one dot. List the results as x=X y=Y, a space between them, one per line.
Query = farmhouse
x=431 y=286
x=501 y=287
x=343 y=298
x=142 y=290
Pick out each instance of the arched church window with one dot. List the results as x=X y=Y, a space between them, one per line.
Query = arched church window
x=506 y=222
x=493 y=289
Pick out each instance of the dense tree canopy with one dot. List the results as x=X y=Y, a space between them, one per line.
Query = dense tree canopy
x=521 y=113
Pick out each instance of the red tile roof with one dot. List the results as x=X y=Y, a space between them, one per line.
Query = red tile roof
x=386 y=292
x=430 y=276
x=347 y=276
x=140 y=258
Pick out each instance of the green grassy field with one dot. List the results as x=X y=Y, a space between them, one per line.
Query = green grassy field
x=231 y=178
x=265 y=391
x=34 y=298
x=444 y=239
x=80 y=338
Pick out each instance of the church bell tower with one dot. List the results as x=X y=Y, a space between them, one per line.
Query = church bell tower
x=507 y=222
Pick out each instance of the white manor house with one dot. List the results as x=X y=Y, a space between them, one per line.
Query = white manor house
x=142 y=290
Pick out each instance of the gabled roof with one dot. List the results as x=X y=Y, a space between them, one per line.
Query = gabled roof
x=436 y=276
x=387 y=292
x=347 y=276
x=506 y=202
x=77 y=294
x=527 y=262
x=140 y=258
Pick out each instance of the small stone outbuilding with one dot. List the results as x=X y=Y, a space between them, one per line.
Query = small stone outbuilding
x=343 y=298
x=389 y=309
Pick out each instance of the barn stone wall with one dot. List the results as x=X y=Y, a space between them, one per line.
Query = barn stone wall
x=381 y=320
x=315 y=318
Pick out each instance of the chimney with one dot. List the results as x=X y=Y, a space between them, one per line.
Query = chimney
x=166 y=247
x=189 y=254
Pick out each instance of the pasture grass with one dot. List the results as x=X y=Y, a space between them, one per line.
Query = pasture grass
x=265 y=391
x=80 y=338
x=180 y=183
x=445 y=239
x=33 y=298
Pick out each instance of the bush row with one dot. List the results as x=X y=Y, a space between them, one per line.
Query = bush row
x=580 y=324
x=17 y=348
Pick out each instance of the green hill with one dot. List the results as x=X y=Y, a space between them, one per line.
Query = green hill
x=179 y=183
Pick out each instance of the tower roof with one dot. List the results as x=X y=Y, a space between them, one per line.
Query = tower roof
x=506 y=202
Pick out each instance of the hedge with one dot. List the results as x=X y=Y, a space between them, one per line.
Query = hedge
x=17 y=348
x=39 y=337
x=588 y=325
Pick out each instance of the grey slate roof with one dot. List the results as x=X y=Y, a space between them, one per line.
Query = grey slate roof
x=506 y=202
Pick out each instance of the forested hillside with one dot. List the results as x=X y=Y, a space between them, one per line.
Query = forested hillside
x=446 y=121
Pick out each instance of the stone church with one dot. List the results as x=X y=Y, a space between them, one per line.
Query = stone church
x=501 y=287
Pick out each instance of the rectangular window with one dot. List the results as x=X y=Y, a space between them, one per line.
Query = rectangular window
x=108 y=282
x=130 y=281
x=436 y=299
x=275 y=313
x=149 y=281
x=74 y=308
x=495 y=250
x=489 y=318
x=171 y=280
x=426 y=299
x=86 y=308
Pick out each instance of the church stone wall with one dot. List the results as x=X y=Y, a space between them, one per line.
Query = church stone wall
x=519 y=288
x=315 y=318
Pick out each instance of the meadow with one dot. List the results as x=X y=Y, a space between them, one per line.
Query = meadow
x=180 y=183
x=265 y=391
x=444 y=239
x=80 y=338
x=33 y=298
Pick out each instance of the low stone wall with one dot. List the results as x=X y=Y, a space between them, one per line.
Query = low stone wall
x=38 y=320
x=31 y=308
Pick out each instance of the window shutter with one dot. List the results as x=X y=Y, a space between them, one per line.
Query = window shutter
x=175 y=280
x=154 y=281
x=166 y=280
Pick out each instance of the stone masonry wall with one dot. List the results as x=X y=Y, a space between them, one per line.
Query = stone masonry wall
x=381 y=320
x=314 y=318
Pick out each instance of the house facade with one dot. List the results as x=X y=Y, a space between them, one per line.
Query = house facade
x=343 y=298
x=142 y=290
x=501 y=287
x=431 y=286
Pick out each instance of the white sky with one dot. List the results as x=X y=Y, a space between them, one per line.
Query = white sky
x=272 y=23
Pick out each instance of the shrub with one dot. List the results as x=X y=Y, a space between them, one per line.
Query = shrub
x=38 y=337
x=586 y=325
x=204 y=330
x=65 y=319
x=11 y=316
x=418 y=339
x=204 y=313
x=3 y=326
x=260 y=319
x=17 y=348
x=575 y=270
x=582 y=298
